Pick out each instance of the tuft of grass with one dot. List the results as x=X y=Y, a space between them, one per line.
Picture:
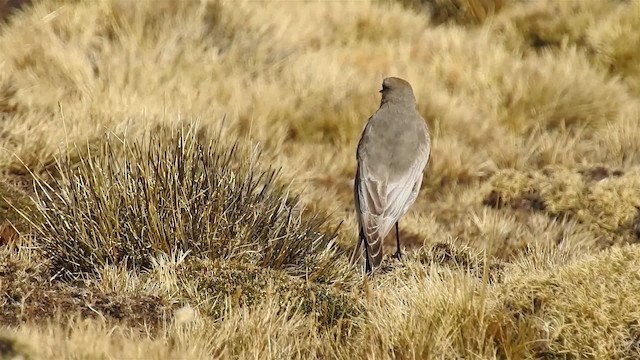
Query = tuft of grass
x=220 y=285
x=462 y=12
x=130 y=202
x=567 y=317
x=460 y=257
x=14 y=201
x=605 y=201
x=9 y=7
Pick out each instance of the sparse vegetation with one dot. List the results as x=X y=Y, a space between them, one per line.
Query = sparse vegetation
x=127 y=203
x=139 y=220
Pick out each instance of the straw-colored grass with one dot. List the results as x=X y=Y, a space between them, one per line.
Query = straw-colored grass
x=176 y=179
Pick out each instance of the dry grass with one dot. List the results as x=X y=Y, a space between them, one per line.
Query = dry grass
x=128 y=232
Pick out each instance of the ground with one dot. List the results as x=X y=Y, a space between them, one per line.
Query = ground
x=176 y=179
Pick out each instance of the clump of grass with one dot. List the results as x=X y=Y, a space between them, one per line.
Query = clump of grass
x=463 y=12
x=616 y=45
x=220 y=285
x=8 y=7
x=566 y=316
x=600 y=29
x=552 y=24
x=13 y=201
x=606 y=201
x=7 y=94
x=460 y=257
x=128 y=202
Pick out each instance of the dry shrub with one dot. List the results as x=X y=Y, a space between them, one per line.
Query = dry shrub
x=129 y=202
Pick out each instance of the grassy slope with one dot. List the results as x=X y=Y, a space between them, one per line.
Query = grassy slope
x=521 y=243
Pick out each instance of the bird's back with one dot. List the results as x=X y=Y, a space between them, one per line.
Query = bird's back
x=392 y=140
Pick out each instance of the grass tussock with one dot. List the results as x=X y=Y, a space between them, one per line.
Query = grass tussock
x=124 y=234
x=14 y=201
x=599 y=29
x=463 y=12
x=594 y=322
x=606 y=202
x=246 y=286
x=131 y=202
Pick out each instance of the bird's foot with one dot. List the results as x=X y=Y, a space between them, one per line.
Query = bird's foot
x=397 y=255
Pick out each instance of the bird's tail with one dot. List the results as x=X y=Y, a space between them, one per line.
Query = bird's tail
x=359 y=256
x=367 y=254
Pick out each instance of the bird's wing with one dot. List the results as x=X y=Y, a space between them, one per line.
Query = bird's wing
x=380 y=203
x=370 y=208
x=401 y=194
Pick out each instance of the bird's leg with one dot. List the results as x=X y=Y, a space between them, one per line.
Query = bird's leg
x=398 y=254
x=368 y=268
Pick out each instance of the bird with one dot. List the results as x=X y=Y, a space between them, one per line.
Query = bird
x=393 y=151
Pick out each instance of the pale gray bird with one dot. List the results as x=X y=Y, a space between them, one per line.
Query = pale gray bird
x=393 y=151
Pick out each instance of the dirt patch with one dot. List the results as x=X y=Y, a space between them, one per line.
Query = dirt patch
x=8 y=234
x=28 y=296
x=528 y=201
x=598 y=173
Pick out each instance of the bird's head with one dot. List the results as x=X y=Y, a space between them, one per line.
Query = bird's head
x=397 y=91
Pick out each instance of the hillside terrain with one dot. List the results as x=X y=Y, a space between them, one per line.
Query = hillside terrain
x=176 y=179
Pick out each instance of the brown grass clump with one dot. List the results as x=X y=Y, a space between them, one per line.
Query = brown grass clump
x=126 y=234
x=12 y=348
x=457 y=11
x=245 y=285
x=605 y=201
x=14 y=198
x=173 y=192
x=571 y=317
x=601 y=29
x=8 y=7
